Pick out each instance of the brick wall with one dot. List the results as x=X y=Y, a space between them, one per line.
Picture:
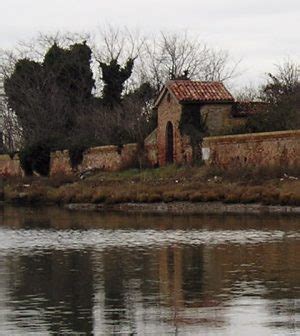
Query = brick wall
x=106 y=158
x=253 y=150
x=219 y=118
x=60 y=163
x=169 y=110
x=10 y=166
x=249 y=150
x=151 y=151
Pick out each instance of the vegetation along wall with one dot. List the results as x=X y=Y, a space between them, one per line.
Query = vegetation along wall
x=253 y=150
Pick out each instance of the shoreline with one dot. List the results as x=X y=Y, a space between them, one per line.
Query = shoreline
x=171 y=208
x=167 y=190
x=188 y=208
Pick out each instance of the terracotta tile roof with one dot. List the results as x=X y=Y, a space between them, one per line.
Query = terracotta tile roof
x=192 y=91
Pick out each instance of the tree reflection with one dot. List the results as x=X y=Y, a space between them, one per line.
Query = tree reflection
x=59 y=285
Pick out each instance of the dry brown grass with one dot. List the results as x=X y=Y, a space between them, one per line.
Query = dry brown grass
x=157 y=185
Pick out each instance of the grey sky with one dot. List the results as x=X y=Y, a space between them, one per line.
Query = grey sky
x=260 y=32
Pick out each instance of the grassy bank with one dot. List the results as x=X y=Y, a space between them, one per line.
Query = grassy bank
x=168 y=184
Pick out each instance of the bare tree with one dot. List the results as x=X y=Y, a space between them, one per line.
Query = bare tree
x=288 y=73
x=119 y=44
x=36 y=47
x=283 y=83
x=10 y=131
x=162 y=57
x=9 y=127
x=248 y=93
x=170 y=55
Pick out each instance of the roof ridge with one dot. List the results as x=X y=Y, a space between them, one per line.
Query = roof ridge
x=193 y=91
x=193 y=81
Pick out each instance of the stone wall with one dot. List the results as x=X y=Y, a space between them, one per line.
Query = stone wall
x=150 y=147
x=60 y=163
x=226 y=152
x=10 y=166
x=110 y=158
x=106 y=158
x=253 y=150
x=219 y=118
x=169 y=110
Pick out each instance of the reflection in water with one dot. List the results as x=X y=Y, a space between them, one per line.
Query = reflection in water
x=58 y=286
x=97 y=274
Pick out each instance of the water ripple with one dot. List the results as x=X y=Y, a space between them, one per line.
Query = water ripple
x=102 y=239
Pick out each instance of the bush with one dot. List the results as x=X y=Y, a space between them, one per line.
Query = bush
x=99 y=197
x=206 y=196
x=270 y=197
x=233 y=197
x=196 y=197
x=251 y=195
x=36 y=158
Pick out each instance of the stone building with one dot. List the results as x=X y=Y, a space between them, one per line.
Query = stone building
x=215 y=103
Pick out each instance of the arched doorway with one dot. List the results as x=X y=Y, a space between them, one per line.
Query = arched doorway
x=169 y=143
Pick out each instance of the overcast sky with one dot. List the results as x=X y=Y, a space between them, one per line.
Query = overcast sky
x=260 y=32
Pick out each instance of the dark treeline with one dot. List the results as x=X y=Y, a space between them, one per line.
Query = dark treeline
x=56 y=109
x=281 y=93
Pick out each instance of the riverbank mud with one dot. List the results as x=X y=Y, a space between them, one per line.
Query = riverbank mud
x=187 y=208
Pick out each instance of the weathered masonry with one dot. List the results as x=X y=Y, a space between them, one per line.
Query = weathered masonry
x=258 y=150
x=226 y=152
x=105 y=158
x=215 y=103
x=10 y=166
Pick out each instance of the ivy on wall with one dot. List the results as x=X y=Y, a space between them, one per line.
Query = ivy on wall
x=194 y=126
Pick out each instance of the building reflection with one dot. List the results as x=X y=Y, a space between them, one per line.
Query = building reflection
x=182 y=282
x=189 y=281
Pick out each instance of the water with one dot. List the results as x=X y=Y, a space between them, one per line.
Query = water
x=69 y=273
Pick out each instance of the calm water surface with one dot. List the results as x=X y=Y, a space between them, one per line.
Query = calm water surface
x=67 y=273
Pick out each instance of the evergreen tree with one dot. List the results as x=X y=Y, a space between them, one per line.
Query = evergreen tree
x=48 y=96
x=114 y=77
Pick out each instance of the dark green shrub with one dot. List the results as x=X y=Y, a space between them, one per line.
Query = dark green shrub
x=35 y=158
